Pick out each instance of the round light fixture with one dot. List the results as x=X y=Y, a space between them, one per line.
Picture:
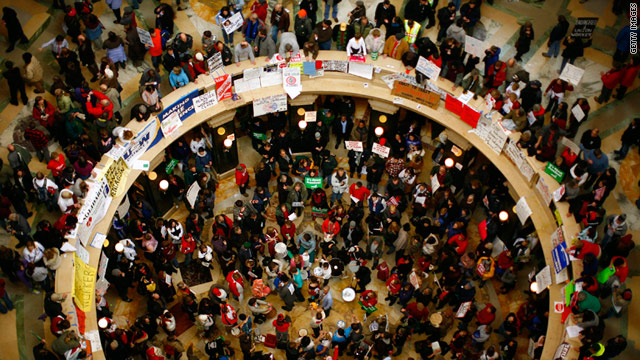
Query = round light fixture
x=103 y=323
x=534 y=287
x=164 y=185
x=503 y=215
x=448 y=162
x=301 y=111
x=379 y=131
x=227 y=143
x=221 y=131
x=152 y=175
x=119 y=247
x=382 y=119
x=302 y=124
x=105 y=243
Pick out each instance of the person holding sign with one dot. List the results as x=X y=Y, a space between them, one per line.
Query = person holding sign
x=223 y=16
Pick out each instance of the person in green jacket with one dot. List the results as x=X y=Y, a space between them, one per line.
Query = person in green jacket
x=63 y=101
x=67 y=341
x=587 y=301
x=73 y=125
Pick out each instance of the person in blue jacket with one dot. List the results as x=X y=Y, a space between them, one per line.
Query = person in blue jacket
x=178 y=78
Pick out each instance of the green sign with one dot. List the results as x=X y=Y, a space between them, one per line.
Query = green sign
x=171 y=165
x=260 y=136
x=313 y=182
x=554 y=172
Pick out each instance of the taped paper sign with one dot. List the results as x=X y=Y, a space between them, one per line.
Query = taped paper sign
x=496 y=137
x=354 y=145
x=116 y=177
x=270 y=79
x=335 y=65
x=543 y=189
x=543 y=278
x=205 y=101
x=523 y=210
x=98 y=240
x=252 y=73
x=361 y=70
x=233 y=23
x=291 y=81
x=572 y=74
x=578 y=113
x=244 y=85
x=269 y=104
x=170 y=125
x=381 y=150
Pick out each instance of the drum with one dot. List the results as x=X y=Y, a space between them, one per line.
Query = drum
x=303 y=332
x=348 y=294
x=271 y=314
x=305 y=259
x=317 y=271
x=281 y=250
x=337 y=267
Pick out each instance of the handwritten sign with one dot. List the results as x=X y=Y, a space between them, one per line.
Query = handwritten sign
x=584 y=27
x=354 y=145
x=416 y=94
x=335 y=65
x=463 y=309
x=192 y=193
x=205 y=101
x=543 y=189
x=570 y=144
x=543 y=278
x=473 y=46
x=578 y=113
x=233 y=23
x=291 y=81
x=269 y=104
x=83 y=284
x=116 y=177
x=270 y=79
x=523 y=210
x=215 y=62
x=428 y=68
x=170 y=125
x=496 y=137
x=310 y=116
x=554 y=172
x=572 y=74
x=381 y=150
x=144 y=36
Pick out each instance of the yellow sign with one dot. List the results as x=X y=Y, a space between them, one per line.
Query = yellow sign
x=84 y=280
x=116 y=175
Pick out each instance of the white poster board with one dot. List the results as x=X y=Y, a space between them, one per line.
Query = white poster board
x=543 y=278
x=473 y=46
x=577 y=112
x=291 y=81
x=270 y=79
x=205 y=101
x=435 y=184
x=144 y=36
x=252 y=73
x=215 y=62
x=543 y=189
x=429 y=69
x=571 y=145
x=381 y=150
x=310 y=116
x=123 y=209
x=269 y=104
x=245 y=85
x=98 y=240
x=361 y=69
x=192 y=193
x=170 y=125
x=354 y=145
x=496 y=137
x=233 y=23
x=572 y=74
x=523 y=210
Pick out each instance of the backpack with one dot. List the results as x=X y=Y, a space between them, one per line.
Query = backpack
x=383 y=271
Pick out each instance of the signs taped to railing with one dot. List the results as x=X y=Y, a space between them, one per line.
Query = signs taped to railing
x=416 y=94
x=270 y=104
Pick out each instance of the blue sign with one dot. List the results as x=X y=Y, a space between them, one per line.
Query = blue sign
x=184 y=107
x=560 y=257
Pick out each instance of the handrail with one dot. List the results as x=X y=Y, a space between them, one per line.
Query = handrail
x=335 y=84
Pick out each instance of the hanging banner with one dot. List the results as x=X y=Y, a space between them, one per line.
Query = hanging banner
x=269 y=104
x=415 y=93
x=223 y=87
x=291 y=81
x=144 y=140
x=183 y=108
x=84 y=278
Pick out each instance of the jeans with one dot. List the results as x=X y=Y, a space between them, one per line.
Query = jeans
x=442 y=33
x=605 y=94
x=335 y=197
x=228 y=38
x=187 y=258
x=565 y=60
x=373 y=187
x=624 y=150
x=274 y=33
x=334 y=13
x=554 y=49
x=325 y=45
x=156 y=60
x=7 y=301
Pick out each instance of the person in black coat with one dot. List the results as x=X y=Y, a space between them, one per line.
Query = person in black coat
x=342 y=130
x=557 y=34
x=420 y=10
x=630 y=136
x=170 y=59
x=164 y=17
x=446 y=17
x=352 y=234
x=363 y=278
x=24 y=182
x=16 y=83
x=14 y=29
x=385 y=12
x=531 y=95
x=574 y=48
x=347 y=107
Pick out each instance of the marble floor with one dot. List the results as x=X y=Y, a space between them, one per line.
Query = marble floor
x=501 y=23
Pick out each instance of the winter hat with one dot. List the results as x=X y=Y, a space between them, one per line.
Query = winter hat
x=352 y=224
x=318 y=135
x=302 y=13
x=199 y=57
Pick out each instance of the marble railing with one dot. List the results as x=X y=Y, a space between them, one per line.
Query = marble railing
x=335 y=84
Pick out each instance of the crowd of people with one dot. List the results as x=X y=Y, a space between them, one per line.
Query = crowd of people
x=379 y=215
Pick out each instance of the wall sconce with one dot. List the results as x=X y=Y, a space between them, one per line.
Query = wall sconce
x=301 y=111
x=379 y=131
x=103 y=323
x=164 y=185
x=503 y=216
x=221 y=131
x=152 y=175
x=448 y=162
x=382 y=119
x=227 y=143
x=302 y=124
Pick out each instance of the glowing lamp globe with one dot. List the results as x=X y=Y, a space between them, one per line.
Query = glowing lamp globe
x=533 y=287
x=302 y=124
x=164 y=185
x=227 y=143
x=103 y=323
x=448 y=162
x=119 y=247
x=503 y=215
x=379 y=131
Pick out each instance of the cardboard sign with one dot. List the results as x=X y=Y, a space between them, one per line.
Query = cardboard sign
x=416 y=94
x=270 y=104
x=354 y=145
x=215 y=62
x=144 y=36
x=572 y=74
x=381 y=150
x=205 y=101
x=584 y=27
x=313 y=182
x=233 y=23
x=555 y=172
x=223 y=87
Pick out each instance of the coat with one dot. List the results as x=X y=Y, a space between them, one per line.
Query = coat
x=402 y=48
x=33 y=71
x=629 y=75
x=612 y=78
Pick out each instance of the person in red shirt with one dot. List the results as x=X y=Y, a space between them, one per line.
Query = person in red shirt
x=242 y=179
x=459 y=241
x=416 y=310
x=505 y=261
x=495 y=76
x=393 y=285
x=610 y=80
x=368 y=300
x=358 y=192
x=199 y=63
x=236 y=284
x=156 y=50
x=260 y=7
x=228 y=314
x=44 y=112
x=282 y=323
x=629 y=75
x=330 y=228
x=99 y=105
x=584 y=247
x=556 y=91
x=486 y=315
x=288 y=231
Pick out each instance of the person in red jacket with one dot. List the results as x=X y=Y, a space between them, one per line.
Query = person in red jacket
x=622 y=268
x=99 y=105
x=56 y=164
x=610 y=80
x=584 y=247
x=200 y=63
x=416 y=310
x=495 y=76
x=459 y=242
x=629 y=75
x=236 y=284
x=330 y=228
x=556 y=91
x=260 y=7
x=486 y=315
x=242 y=179
x=222 y=226
x=44 y=112
x=358 y=192
x=393 y=285
x=156 y=50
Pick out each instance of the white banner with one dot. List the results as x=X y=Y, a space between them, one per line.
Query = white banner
x=205 y=101
x=269 y=104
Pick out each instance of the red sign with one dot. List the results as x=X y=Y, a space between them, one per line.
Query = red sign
x=357 y=58
x=223 y=87
x=470 y=116
x=454 y=105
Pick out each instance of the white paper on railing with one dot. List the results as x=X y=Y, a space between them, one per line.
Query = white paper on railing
x=523 y=210
x=543 y=189
x=559 y=193
x=83 y=254
x=269 y=104
x=271 y=78
x=291 y=81
x=496 y=137
x=252 y=73
x=543 y=278
x=244 y=85
x=205 y=101
x=94 y=339
x=361 y=70
x=98 y=240
x=572 y=74
x=465 y=97
x=170 y=125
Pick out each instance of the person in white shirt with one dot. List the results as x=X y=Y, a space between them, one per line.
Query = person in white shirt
x=67 y=201
x=356 y=46
x=173 y=231
x=339 y=184
x=129 y=249
x=33 y=251
x=197 y=143
x=124 y=134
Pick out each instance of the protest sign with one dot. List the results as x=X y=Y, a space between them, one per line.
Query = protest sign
x=270 y=79
x=381 y=150
x=215 y=62
x=192 y=193
x=572 y=74
x=543 y=189
x=496 y=137
x=543 y=278
x=183 y=108
x=310 y=116
x=116 y=177
x=554 y=172
x=291 y=81
x=144 y=36
x=354 y=145
x=577 y=112
x=523 y=210
x=269 y=104
x=313 y=182
x=170 y=125
x=205 y=101
x=473 y=46
x=584 y=27
x=233 y=23
x=335 y=65
x=223 y=87
x=84 y=278
x=415 y=93
x=429 y=69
